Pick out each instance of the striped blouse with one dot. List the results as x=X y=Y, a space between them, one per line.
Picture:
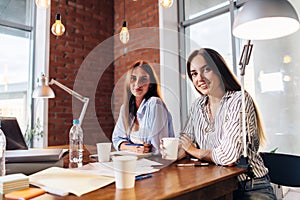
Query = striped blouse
x=224 y=137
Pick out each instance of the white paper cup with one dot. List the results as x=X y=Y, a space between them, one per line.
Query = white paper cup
x=124 y=170
x=170 y=146
x=103 y=151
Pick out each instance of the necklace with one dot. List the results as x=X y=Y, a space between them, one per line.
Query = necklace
x=211 y=120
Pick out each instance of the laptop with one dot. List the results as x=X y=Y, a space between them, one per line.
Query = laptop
x=17 y=150
x=14 y=137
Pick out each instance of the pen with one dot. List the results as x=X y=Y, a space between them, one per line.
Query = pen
x=143 y=177
x=193 y=165
x=123 y=138
x=132 y=144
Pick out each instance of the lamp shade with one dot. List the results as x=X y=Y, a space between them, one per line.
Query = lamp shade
x=265 y=19
x=43 y=90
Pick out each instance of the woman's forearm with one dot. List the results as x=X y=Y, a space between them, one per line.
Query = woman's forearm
x=200 y=153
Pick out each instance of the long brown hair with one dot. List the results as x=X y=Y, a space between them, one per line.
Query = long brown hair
x=129 y=98
x=218 y=64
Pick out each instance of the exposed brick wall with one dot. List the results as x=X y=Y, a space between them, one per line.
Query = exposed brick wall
x=142 y=19
x=88 y=23
x=89 y=57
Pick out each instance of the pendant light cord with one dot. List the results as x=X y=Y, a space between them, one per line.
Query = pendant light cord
x=124 y=11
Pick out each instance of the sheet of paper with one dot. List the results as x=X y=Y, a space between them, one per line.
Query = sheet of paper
x=125 y=153
x=61 y=181
x=82 y=180
x=143 y=166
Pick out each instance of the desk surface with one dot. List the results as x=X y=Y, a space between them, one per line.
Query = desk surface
x=172 y=182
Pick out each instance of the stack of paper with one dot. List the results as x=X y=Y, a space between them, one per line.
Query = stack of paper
x=61 y=181
x=143 y=166
x=13 y=182
x=78 y=181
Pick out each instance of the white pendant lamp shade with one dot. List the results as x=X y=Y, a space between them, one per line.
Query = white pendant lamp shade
x=43 y=90
x=265 y=19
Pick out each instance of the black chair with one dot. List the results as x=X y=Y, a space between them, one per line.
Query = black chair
x=284 y=169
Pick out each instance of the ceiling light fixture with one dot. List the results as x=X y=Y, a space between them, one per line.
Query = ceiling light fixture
x=166 y=3
x=58 y=28
x=265 y=19
x=124 y=34
x=43 y=3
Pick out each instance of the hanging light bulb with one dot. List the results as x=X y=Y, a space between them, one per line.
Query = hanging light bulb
x=43 y=3
x=124 y=34
x=58 y=28
x=166 y=3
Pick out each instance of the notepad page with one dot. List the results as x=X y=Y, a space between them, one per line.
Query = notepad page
x=68 y=181
x=143 y=166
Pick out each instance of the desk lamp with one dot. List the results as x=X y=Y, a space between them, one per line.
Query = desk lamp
x=45 y=91
x=261 y=20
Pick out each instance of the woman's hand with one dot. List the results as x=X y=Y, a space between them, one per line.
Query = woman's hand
x=180 y=152
x=138 y=148
x=185 y=142
x=162 y=149
x=144 y=148
x=147 y=147
x=189 y=147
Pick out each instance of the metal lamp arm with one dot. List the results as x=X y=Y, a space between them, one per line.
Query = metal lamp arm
x=244 y=60
x=83 y=99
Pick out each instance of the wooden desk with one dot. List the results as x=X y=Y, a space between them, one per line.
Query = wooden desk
x=171 y=182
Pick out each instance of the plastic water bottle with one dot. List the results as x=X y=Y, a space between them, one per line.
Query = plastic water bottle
x=2 y=152
x=76 y=145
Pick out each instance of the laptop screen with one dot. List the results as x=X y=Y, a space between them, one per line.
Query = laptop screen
x=13 y=133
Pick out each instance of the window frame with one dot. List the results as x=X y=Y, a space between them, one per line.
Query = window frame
x=27 y=29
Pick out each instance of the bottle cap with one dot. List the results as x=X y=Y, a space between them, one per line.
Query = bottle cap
x=75 y=121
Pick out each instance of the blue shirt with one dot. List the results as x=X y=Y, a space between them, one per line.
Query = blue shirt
x=155 y=122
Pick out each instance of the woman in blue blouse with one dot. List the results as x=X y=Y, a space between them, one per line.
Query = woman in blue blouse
x=144 y=118
x=214 y=124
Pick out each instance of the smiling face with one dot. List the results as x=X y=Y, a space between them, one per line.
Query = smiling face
x=205 y=80
x=139 y=82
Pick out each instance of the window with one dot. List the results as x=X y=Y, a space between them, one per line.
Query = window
x=206 y=34
x=16 y=60
x=272 y=76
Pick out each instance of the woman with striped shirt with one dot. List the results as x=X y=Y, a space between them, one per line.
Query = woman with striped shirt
x=213 y=129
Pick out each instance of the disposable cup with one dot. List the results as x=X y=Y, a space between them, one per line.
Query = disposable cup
x=124 y=170
x=128 y=193
x=103 y=151
x=170 y=146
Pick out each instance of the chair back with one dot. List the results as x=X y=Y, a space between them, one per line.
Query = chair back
x=284 y=169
